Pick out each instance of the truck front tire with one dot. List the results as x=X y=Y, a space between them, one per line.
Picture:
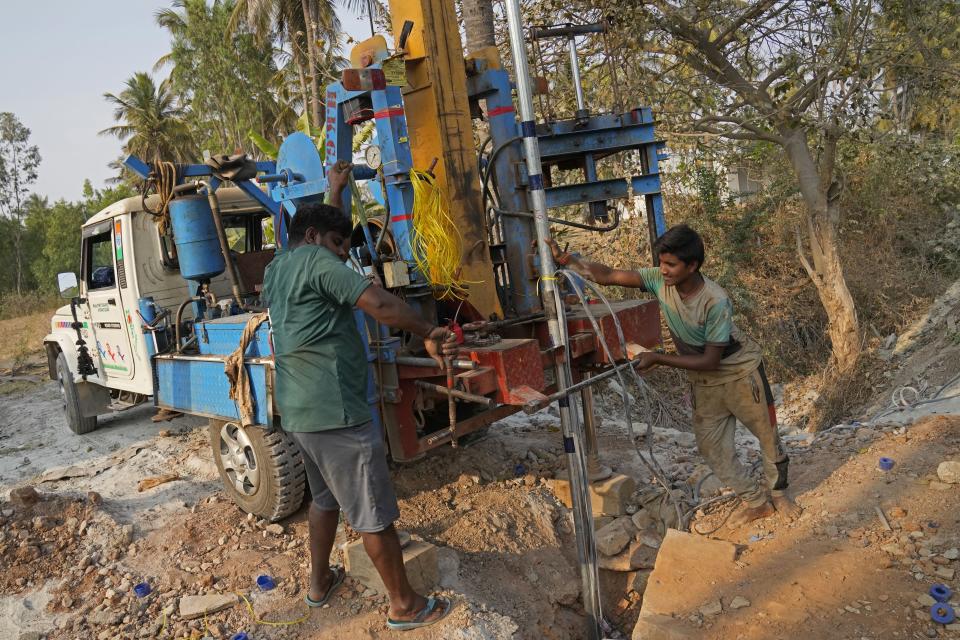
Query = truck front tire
x=71 y=400
x=261 y=470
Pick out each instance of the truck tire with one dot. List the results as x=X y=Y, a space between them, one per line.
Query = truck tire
x=261 y=470
x=71 y=400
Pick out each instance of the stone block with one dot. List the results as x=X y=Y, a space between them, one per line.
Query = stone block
x=949 y=471
x=613 y=494
x=196 y=606
x=607 y=497
x=639 y=581
x=612 y=538
x=658 y=627
x=684 y=578
x=420 y=561
x=636 y=556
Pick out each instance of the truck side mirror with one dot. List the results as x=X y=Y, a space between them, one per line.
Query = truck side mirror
x=67 y=284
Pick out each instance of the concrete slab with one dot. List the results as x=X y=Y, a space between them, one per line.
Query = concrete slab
x=420 y=559
x=196 y=606
x=682 y=582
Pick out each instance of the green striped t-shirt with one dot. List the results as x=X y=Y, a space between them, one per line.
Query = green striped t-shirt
x=705 y=318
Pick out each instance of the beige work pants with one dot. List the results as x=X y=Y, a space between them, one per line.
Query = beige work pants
x=716 y=410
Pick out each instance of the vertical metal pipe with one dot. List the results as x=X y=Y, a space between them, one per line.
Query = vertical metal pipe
x=224 y=245
x=575 y=69
x=573 y=437
x=598 y=210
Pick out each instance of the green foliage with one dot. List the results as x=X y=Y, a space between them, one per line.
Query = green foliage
x=19 y=161
x=267 y=148
x=152 y=124
x=227 y=76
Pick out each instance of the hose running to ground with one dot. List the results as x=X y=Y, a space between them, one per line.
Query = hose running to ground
x=652 y=465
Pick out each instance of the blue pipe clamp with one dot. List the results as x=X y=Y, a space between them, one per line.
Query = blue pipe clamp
x=940 y=592
x=942 y=613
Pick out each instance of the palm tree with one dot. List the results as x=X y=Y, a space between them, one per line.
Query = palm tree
x=478 y=24
x=151 y=123
x=303 y=25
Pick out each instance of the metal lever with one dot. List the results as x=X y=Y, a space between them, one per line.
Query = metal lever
x=567 y=30
x=404 y=34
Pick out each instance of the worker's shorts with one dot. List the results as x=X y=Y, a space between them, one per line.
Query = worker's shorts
x=347 y=469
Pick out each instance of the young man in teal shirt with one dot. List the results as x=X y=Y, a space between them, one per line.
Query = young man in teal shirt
x=724 y=366
x=321 y=392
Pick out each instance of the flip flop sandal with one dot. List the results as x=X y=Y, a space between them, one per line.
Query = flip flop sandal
x=338 y=575
x=420 y=619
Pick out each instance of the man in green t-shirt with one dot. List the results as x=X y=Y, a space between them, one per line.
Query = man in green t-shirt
x=321 y=393
x=723 y=363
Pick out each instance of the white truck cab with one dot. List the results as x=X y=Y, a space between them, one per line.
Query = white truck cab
x=125 y=260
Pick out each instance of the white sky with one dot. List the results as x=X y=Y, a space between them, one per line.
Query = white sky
x=60 y=57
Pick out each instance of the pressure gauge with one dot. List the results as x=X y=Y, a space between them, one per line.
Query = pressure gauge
x=373 y=156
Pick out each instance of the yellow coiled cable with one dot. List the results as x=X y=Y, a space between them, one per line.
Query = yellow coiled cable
x=436 y=241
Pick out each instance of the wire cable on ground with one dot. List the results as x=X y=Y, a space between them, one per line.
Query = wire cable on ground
x=272 y=623
x=437 y=244
x=652 y=464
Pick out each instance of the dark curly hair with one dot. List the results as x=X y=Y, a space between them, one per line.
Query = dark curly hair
x=683 y=242
x=321 y=217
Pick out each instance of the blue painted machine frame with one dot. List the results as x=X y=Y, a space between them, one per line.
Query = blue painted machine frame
x=196 y=383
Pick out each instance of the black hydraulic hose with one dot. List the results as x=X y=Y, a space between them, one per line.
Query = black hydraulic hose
x=183 y=305
x=487 y=193
x=568 y=223
x=224 y=246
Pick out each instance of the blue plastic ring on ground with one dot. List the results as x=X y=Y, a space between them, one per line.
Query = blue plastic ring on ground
x=942 y=613
x=240 y=636
x=142 y=590
x=940 y=592
x=885 y=464
x=265 y=583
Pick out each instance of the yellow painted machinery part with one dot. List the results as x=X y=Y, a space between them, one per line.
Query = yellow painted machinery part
x=438 y=119
x=372 y=46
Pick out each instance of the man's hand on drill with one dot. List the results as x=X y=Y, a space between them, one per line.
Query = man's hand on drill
x=338 y=176
x=440 y=342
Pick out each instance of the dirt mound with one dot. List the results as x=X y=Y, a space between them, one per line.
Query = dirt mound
x=38 y=537
x=839 y=572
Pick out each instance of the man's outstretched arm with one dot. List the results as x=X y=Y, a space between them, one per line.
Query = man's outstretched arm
x=594 y=271
x=390 y=310
x=709 y=360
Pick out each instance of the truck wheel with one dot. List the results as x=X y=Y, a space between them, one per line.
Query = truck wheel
x=71 y=401
x=261 y=470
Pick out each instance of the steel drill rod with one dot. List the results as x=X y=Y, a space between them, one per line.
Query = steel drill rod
x=573 y=436
x=455 y=393
x=413 y=361
x=451 y=402
x=536 y=405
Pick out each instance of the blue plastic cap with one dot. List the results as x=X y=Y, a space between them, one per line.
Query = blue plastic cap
x=940 y=592
x=942 y=613
x=142 y=589
x=265 y=583
x=240 y=636
x=885 y=464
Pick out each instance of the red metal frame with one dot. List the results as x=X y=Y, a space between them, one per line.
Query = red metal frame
x=512 y=372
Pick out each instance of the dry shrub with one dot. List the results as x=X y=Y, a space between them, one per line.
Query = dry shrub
x=13 y=305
